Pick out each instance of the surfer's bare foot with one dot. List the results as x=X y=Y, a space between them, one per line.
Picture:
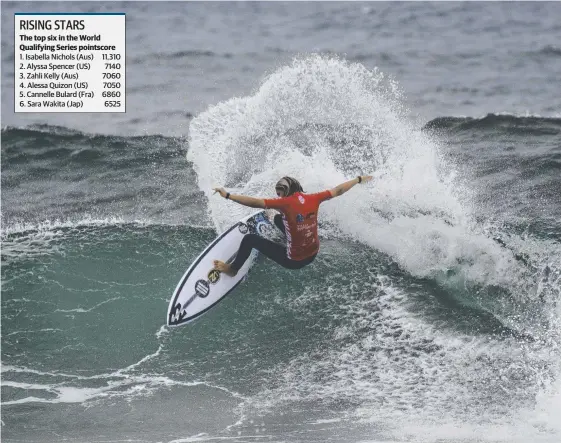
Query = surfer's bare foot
x=225 y=268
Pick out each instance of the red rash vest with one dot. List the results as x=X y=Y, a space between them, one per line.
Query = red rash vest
x=299 y=214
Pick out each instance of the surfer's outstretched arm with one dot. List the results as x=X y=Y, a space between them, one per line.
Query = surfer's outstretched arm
x=252 y=202
x=344 y=187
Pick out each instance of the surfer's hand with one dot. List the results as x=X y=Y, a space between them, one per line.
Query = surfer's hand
x=221 y=191
x=365 y=178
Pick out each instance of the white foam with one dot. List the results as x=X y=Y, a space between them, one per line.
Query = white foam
x=121 y=383
x=326 y=421
x=82 y=310
x=413 y=210
x=164 y=330
x=141 y=361
x=203 y=436
x=416 y=393
x=64 y=394
x=23 y=240
x=117 y=385
x=16 y=369
x=323 y=120
x=48 y=226
x=34 y=332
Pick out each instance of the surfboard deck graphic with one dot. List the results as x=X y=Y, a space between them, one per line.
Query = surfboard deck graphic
x=202 y=287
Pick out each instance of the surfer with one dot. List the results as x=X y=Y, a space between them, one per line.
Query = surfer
x=298 y=222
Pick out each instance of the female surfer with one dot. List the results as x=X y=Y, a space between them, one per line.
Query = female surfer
x=298 y=222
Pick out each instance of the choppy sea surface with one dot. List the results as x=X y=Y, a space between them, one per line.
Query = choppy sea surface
x=432 y=313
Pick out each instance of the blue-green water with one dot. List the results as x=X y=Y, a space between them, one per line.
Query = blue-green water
x=315 y=355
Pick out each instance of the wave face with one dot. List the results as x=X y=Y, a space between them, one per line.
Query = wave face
x=431 y=313
x=56 y=173
x=506 y=123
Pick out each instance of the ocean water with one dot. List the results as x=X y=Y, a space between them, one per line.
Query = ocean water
x=432 y=313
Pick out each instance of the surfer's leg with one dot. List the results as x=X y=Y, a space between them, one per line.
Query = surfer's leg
x=249 y=242
x=272 y=250
x=268 y=248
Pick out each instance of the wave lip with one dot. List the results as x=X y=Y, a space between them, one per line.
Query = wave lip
x=530 y=125
x=53 y=135
x=58 y=144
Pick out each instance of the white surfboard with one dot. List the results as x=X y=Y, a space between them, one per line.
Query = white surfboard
x=202 y=287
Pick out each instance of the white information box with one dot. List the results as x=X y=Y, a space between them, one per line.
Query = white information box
x=69 y=62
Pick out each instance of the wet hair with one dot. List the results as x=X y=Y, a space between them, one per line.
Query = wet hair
x=289 y=186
